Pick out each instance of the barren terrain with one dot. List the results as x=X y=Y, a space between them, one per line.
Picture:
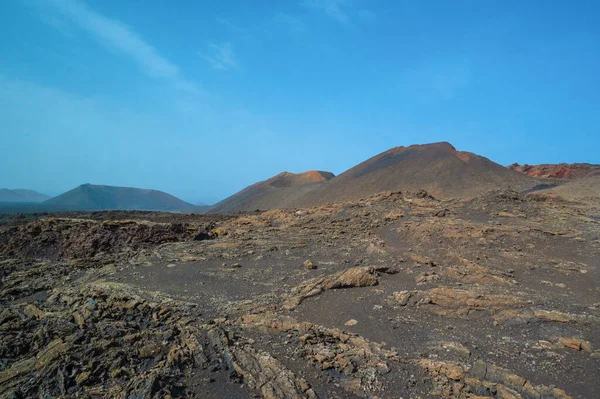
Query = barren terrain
x=395 y=295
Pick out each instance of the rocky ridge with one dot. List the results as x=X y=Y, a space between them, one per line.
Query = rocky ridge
x=557 y=171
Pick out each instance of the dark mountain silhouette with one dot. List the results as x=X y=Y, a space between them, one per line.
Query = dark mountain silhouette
x=21 y=195
x=97 y=197
x=283 y=190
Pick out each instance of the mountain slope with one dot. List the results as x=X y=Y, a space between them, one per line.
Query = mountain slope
x=98 y=197
x=438 y=168
x=576 y=189
x=21 y=195
x=280 y=191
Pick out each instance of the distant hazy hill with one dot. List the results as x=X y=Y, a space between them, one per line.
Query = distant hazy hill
x=558 y=171
x=96 y=197
x=21 y=195
x=279 y=191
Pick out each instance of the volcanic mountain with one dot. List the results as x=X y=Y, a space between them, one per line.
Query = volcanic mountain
x=280 y=191
x=97 y=197
x=21 y=195
x=558 y=171
x=438 y=168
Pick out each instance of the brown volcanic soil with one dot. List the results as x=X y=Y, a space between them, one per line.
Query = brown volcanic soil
x=396 y=295
x=558 y=171
x=281 y=191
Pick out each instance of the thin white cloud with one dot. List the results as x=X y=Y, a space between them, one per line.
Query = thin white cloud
x=119 y=37
x=334 y=8
x=220 y=56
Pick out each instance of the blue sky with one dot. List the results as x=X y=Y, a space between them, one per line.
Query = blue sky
x=201 y=99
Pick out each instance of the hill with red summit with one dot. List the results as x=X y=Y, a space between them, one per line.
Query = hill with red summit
x=437 y=168
x=280 y=191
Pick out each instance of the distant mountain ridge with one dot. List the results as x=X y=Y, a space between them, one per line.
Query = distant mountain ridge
x=438 y=168
x=100 y=197
x=21 y=195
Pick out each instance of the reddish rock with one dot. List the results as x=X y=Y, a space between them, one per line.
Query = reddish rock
x=558 y=171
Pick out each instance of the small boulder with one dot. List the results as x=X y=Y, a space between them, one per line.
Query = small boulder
x=150 y=350
x=402 y=297
x=575 y=343
x=309 y=265
x=34 y=311
x=203 y=235
x=353 y=277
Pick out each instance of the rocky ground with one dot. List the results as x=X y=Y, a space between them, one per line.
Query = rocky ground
x=398 y=295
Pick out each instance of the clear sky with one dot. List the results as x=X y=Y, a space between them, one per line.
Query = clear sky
x=202 y=98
